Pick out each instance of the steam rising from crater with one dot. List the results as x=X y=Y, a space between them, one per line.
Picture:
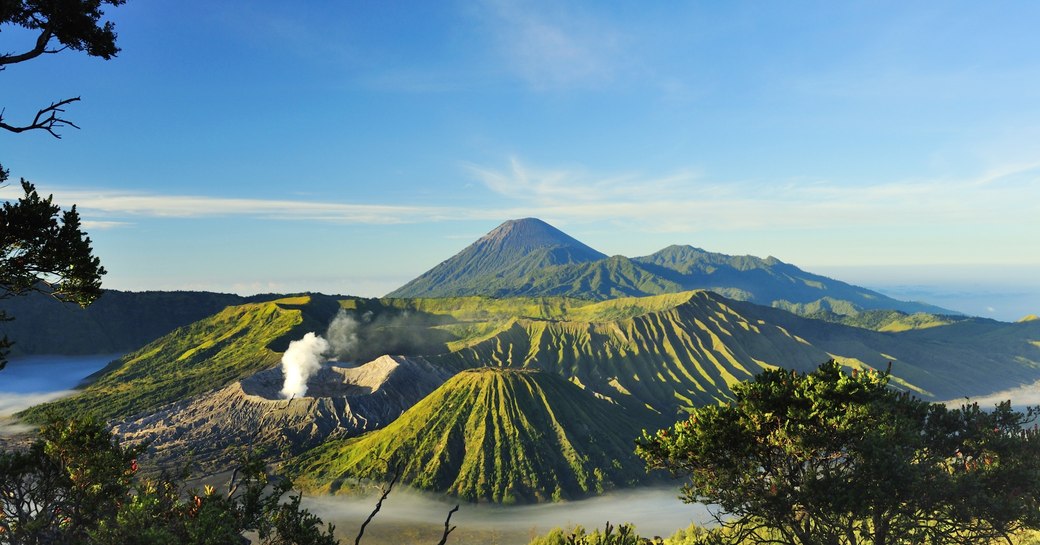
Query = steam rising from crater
x=302 y=359
x=354 y=338
x=343 y=335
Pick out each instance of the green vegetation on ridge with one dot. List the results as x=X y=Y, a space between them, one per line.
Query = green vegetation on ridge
x=207 y=354
x=842 y=459
x=666 y=352
x=488 y=434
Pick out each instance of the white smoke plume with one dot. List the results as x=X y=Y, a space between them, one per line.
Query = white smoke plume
x=343 y=335
x=302 y=359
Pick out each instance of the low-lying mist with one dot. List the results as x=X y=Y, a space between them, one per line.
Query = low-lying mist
x=32 y=380
x=1020 y=397
x=408 y=516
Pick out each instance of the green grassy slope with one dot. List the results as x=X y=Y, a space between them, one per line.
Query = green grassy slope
x=671 y=351
x=495 y=435
x=965 y=357
x=663 y=352
x=891 y=321
x=205 y=355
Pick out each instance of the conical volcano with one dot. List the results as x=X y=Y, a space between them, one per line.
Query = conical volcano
x=490 y=434
x=512 y=250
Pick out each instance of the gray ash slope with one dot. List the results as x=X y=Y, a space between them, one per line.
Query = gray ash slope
x=341 y=402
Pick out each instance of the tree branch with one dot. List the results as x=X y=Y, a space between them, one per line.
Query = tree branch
x=39 y=49
x=447 y=530
x=379 y=504
x=48 y=119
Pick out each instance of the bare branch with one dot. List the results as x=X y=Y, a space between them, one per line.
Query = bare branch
x=48 y=119
x=447 y=530
x=379 y=504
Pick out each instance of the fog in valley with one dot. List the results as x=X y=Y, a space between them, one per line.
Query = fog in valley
x=1020 y=397
x=408 y=516
x=31 y=380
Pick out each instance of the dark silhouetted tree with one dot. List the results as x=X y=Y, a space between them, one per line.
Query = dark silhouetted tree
x=58 y=25
x=42 y=248
x=78 y=485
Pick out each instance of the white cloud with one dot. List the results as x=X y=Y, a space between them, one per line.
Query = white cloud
x=1023 y=396
x=97 y=225
x=99 y=204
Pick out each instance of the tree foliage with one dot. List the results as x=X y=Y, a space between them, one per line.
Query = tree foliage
x=44 y=249
x=836 y=458
x=77 y=485
x=625 y=534
x=72 y=24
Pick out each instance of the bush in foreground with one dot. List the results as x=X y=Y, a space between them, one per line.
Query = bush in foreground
x=77 y=485
x=841 y=459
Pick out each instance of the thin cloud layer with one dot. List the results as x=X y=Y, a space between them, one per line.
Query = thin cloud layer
x=1004 y=201
x=99 y=204
x=1003 y=196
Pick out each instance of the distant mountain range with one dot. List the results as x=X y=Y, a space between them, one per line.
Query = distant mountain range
x=528 y=257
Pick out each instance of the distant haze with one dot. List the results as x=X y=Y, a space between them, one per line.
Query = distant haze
x=1005 y=293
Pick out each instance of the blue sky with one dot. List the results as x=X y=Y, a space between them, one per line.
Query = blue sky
x=347 y=147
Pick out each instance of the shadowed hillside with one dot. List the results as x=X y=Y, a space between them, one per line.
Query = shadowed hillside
x=119 y=321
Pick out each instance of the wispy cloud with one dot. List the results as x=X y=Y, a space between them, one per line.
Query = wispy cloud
x=552 y=45
x=95 y=225
x=686 y=201
x=101 y=204
x=1002 y=203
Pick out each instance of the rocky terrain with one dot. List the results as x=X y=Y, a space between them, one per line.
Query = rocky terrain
x=341 y=402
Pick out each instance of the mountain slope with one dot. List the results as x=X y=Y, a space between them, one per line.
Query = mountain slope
x=232 y=344
x=665 y=352
x=495 y=435
x=512 y=250
x=769 y=282
x=671 y=351
x=530 y=258
x=557 y=373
